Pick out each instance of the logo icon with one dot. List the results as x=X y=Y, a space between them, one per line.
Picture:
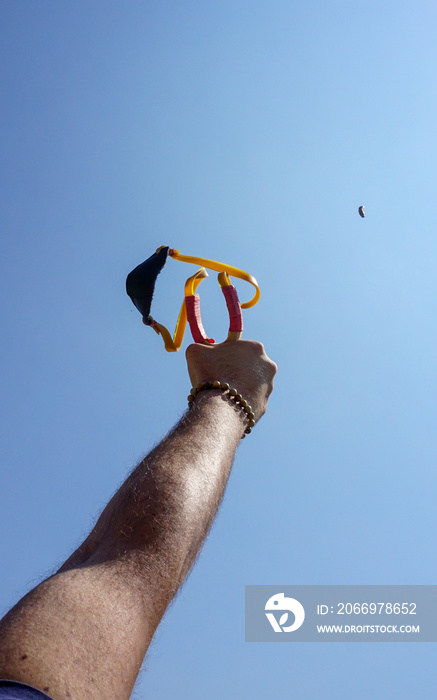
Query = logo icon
x=286 y=605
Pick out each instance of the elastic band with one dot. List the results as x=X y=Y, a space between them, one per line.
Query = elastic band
x=219 y=267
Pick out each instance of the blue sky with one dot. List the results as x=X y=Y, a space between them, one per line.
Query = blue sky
x=249 y=133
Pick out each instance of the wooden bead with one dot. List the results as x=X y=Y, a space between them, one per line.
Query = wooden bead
x=224 y=386
x=216 y=384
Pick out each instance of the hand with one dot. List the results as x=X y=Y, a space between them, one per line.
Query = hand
x=243 y=364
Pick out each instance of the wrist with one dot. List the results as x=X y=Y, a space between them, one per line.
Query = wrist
x=231 y=396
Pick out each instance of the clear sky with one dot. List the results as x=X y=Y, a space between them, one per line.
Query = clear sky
x=248 y=132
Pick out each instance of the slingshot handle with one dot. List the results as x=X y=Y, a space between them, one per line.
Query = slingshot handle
x=235 y=314
x=192 y=304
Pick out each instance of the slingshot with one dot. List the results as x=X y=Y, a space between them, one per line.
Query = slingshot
x=140 y=284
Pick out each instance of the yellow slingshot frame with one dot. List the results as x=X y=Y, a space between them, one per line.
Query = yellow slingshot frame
x=190 y=309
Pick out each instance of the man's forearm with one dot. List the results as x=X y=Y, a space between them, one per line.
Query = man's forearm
x=156 y=523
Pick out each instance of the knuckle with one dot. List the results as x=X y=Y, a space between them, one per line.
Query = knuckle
x=193 y=351
x=189 y=351
x=258 y=348
x=273 y=367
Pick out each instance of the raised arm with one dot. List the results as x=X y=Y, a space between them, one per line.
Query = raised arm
x=83 y=633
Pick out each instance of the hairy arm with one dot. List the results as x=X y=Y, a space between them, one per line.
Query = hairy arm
x=83 y=633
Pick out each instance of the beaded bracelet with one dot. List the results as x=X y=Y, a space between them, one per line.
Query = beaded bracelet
x=232 y=395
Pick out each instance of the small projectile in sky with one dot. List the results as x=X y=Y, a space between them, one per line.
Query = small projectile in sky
x=362 y=211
